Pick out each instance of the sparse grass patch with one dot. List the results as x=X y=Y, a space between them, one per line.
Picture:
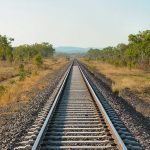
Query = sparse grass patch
x=2 y=89
x=92 y=68
x=55 y=59
x=15 y=109
x=34 y=73
x=115 y=90
x=30 y=75
x=46 y=67
x=12 y=81
x=136 y=80
x=7 y=71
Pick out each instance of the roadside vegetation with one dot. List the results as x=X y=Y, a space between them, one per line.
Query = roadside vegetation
x=22 y=67
x=133 y=85
x=23 y=53
x=15 y=89
x=128 y=67
x=135 y=54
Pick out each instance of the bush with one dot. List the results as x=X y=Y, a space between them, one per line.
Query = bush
x=2 y=89
x=22 y=76
x=38 y=60
x=22 y=72
x=21 y=68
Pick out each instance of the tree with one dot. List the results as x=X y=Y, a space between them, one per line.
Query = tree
x=93 y=53
x=6 y=48
x=38 y=60
x=134 y=54
x=27 y=52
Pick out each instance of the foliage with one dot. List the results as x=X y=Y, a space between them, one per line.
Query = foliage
x=23 y=53
x=27 y=52
x=21 y=68
x=2 y=89
x=93 y=53
x=22 y=72
x=22 y=76
x=38 y=60
x=134 y=54
x=6 y=48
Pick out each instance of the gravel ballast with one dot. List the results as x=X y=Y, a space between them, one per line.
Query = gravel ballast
x=136 y=123
x=14 y=126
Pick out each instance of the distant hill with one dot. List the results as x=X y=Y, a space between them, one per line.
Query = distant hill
x=70 y=49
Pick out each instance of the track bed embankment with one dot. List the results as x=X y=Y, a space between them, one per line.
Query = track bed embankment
x=137 y=124
x=15 y=125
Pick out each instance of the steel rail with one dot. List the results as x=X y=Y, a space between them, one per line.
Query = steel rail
x=111 y=127
x=114 y=132
x=50 y=114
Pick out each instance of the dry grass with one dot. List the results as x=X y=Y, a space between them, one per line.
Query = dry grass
x=7 y=71
x=18 y=89
x=136 y=80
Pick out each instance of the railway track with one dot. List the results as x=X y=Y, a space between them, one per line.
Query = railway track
x=78 y=120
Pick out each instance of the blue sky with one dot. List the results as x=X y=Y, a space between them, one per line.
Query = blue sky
x=85 y=23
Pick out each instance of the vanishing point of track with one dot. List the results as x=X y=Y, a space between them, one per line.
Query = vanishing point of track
x=78 y=120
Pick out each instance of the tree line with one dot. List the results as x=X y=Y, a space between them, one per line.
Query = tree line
x=23 y=53
x=134 y=54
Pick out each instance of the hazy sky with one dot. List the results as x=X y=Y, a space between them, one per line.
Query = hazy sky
x=85 y=23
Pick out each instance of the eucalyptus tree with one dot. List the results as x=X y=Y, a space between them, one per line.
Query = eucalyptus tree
x=134 y=54
x=6 y=48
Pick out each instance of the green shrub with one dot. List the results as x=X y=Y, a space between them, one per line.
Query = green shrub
x=21 y=68
x=38 y=60
x=22 y=72
x=2 y=89
x=22 y=75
